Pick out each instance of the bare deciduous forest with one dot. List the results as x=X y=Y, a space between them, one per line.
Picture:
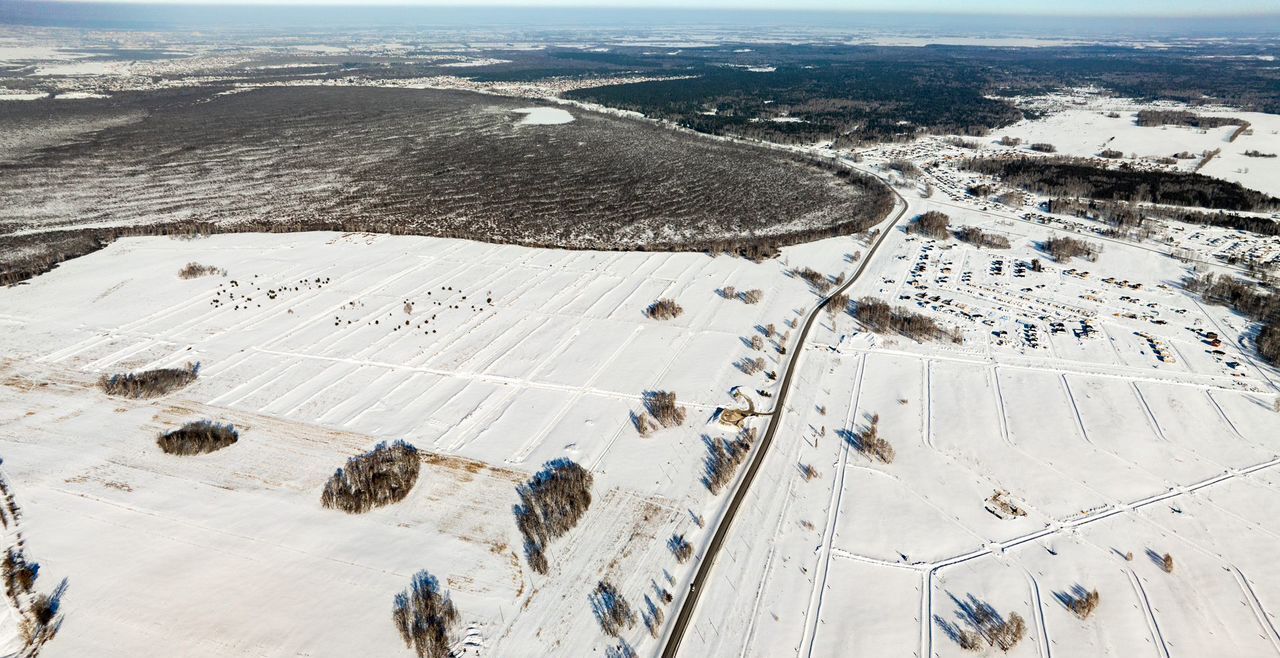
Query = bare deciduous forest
x=427 y=162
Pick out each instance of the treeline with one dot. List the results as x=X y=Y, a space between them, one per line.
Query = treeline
x=1152 y=118
x=63 y=245
x=1080 y=178
x=1127 y=215
x=1246 y=298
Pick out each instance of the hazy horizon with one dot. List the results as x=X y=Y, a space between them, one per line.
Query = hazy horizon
x=324 y=15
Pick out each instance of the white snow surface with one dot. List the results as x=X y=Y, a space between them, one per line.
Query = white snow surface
x=544 y=116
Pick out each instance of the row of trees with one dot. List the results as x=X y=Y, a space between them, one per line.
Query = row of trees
x=1126 y=215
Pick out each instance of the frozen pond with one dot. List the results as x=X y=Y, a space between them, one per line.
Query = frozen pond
x=539 y=116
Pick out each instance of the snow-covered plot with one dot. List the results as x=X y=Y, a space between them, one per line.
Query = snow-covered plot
x=490 y=359
x=539 y=116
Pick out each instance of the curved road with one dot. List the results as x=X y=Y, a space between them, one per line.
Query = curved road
x=690 y=603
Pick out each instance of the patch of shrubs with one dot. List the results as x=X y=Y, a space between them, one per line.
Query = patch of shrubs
x=664 y=309
x=194 y=270
x=1042 y=147
x=1064 y=249
x=880 y=317
x=980 y=238
x=197 y=438
x=551 y=504
x=149 y=383
x=379 y=477
x=424 y=617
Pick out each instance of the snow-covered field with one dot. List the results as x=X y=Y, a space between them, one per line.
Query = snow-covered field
x=1085 y=129
x=510 y=357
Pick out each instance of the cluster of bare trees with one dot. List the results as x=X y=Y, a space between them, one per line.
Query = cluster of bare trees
x=723 y=458
x=653 y=617
x=879 y=316
x=751 y=366
x=663 y=309
x=661 y=405
x=980 y=238
x=680 y=547
x=194 y=270
x=905 y=167
x=1063 y=249
x=551 y=504
x=661 y=409
x=149 y=383
x=821 y=283
x=1083 y=602
x=932 y=224
x=379 y=477
x=986 y=627
x=424 y=616
x=198 y=437
x=752 y=296
x=838 y=303
x=611 y=609
x=870 y=443
x=1043 y=147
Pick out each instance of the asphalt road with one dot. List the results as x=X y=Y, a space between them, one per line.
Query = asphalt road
x=690 y=603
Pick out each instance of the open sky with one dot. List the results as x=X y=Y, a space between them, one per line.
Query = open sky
x=1048 y=7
